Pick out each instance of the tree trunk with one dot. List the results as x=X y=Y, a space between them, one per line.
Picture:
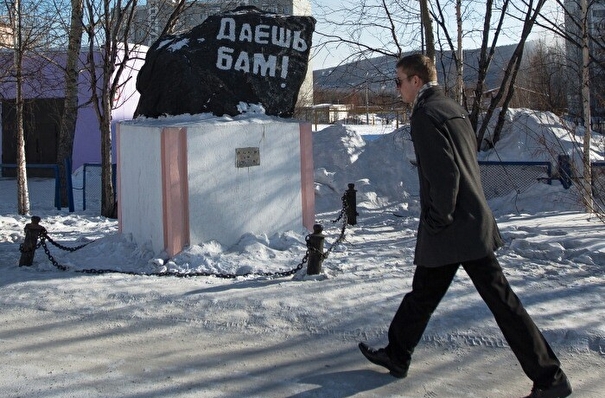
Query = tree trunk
x=70 y=110
x=587 y=177
x=485 y=60
x=101 y=93
x=108 y=203
x=509 y=95
x=427 y=27
x=460 y=58
x=22 y=190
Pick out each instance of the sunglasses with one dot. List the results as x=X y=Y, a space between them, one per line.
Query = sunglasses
x=398 y=80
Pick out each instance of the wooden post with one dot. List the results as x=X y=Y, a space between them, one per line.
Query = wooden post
x=28 y=247
x=315 y=241
x=351 y=199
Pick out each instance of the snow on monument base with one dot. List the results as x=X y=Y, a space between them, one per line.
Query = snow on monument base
x=182 y=183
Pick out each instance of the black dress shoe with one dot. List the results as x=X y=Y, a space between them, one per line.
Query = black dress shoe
x=559 y=390
x=380 y=357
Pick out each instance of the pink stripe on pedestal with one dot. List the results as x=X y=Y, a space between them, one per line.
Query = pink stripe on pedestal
x=175 y=189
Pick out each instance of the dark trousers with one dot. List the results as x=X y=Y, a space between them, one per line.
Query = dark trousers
x=429 y=286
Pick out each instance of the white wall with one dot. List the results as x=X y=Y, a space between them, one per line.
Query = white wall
x=226 y=202
x=140 y=184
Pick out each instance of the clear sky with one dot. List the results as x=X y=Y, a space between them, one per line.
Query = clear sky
x=472 y=22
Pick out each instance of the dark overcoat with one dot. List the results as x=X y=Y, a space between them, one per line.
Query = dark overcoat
x=456 y=223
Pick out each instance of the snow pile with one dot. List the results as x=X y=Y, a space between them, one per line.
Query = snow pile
x=381 y=169
x=539 y=136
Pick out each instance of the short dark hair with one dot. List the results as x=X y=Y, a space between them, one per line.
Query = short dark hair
x=418 y=65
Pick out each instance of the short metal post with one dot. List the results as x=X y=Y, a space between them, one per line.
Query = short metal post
x=28 y=247
x=351 y=199
x=315 y=243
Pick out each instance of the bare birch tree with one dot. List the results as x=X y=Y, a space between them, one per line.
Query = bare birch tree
x=586 y=180
x=105 y=19
x=457 y=50
x=427 y=29
x=459 y=54
x=108 y=27
x=507 y=85
x=486 y=55
x=70 y=109
x=29 y=27
x=22 y=191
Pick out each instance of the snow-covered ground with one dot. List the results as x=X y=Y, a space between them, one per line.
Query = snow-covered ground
x=69 y=334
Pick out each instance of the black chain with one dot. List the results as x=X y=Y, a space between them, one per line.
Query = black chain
x=345 y=221
x=278 y=274
x=50 y=257
x=343 y=210
x=44 y=236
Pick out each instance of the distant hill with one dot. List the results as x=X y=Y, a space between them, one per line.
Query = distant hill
x=379 y=72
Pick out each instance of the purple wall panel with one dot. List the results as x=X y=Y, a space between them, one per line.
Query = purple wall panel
x=46 y=81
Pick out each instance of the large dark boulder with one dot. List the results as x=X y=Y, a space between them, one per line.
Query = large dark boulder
x=245 y=55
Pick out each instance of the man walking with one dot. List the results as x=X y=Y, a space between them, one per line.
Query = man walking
x=456 y=228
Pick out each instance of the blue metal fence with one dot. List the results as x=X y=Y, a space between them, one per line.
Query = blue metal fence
x=501 y=178
x=92 y=187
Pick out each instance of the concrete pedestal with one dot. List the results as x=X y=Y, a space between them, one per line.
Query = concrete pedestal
x=182 y=183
